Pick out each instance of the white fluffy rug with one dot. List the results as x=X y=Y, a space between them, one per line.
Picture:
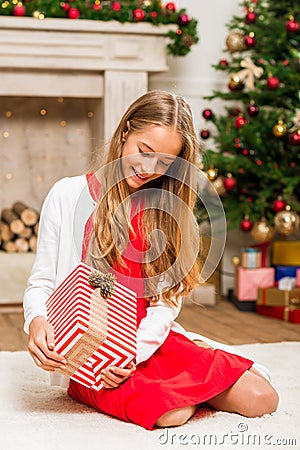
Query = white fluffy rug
x=35 y=416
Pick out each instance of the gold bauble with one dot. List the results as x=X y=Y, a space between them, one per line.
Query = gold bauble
x=235 y=80
x=235 y=261
x=219 y=186
x=235 y=42
x=212 y=173
x=262 y=231
x=279 y=130
x=286 y=221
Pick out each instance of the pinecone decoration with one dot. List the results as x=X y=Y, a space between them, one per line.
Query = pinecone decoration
x=104 y=281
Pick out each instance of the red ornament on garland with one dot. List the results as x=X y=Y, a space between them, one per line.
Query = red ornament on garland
x=65 y=6
x=138 y=14
x=294 y=138
x=251 y=17
x=273 y=82
x=278 y=205
x=73 y=13
x=292 y=26
x=170 y=6
x=239 y=122
x=116 y=6
x=207 y=114
x=250 y=40
x=184 y=19
x=246 y=224
x=204 y=134
x=229 y=182
x=19 y=10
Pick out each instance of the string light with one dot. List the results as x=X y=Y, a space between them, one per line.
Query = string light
x=8 y=176
x=90 y=114
x=63 y=123
x=43 y=112
x=5 y=134
x=8 y=114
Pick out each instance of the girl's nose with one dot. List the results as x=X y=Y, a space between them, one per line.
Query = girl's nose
x=149 y=165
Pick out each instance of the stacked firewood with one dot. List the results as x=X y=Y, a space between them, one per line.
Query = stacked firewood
x=19 y=228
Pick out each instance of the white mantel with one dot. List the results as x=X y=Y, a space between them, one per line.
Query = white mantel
x=81 y=58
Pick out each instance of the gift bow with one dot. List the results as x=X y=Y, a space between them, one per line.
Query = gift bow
x=250 y=72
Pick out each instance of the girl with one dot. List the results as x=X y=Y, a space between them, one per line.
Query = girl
x=112 y=219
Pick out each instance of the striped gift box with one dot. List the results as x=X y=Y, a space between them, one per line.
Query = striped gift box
x=92 y=332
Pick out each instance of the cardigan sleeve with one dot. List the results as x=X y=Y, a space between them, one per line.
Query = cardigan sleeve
x=154 y=328
x=41 y=281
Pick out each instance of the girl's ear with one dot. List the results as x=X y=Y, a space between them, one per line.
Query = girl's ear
x=126 y=131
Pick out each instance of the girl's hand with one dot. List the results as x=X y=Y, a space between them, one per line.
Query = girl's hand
x=113 y=376
x=41 y=345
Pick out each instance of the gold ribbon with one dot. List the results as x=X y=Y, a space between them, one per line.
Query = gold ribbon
x=249 y=72
x=92 y=338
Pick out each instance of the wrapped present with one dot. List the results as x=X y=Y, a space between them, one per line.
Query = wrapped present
x=264 y=247
x=94 y=321
x=298 y=278
x=286 y=253
x=273 y=296
x=285 y=271
x=289 y=313
x=286 y=283
x=251 y=258
x=247 y=282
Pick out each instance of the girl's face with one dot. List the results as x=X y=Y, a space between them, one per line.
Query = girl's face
x=147 y=154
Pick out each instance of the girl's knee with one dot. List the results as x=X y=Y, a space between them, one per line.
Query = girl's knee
x=176 y=417
x=263 y=400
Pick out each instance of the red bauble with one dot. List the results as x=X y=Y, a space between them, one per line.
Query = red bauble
x=246 y=225
x=278 y=205
x=170 y=6
x=116 y=6
x=19 y=10
x=207 y=114
x=223 y=62
x=154 y=14
x=66 y=6
x=252 y=110
x=250 y=41
x=229 y=183
x=73 y=13
x=251 y=17
x=239 y=122
x=292 y=26
x=235 y=87
x=205 y=134
x=184 y=19
x=138 y=14
x=273 y=82
x=294 y=138
x=233 y=112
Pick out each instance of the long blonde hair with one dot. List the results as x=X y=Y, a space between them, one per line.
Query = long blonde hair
x=112 y=214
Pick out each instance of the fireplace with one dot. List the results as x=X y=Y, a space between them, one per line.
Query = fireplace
x=64 y=86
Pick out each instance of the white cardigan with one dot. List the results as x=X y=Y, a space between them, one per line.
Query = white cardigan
x=65 y=211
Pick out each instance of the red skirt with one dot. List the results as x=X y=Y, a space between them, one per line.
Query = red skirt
x=179 y=374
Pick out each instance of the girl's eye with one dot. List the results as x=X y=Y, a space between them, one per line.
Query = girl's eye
x=164 y=164
x=146 y=154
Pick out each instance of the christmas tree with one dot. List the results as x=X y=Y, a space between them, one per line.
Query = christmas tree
x=255 y=160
